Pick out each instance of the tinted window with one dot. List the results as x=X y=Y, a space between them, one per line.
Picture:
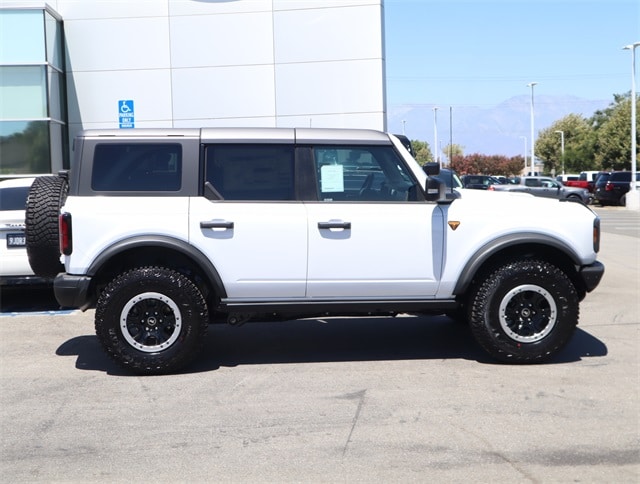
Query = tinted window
x=14 y=198
x=362 y=173
x=623 y=176
x=139 y=167
x=251 y=172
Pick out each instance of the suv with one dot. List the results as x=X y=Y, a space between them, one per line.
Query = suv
x=612 y=190
x=165 y=231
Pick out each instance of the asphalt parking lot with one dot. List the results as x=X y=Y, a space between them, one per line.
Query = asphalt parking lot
x=406 y=399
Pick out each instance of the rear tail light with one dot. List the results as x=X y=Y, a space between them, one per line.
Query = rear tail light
x=608 y=187
x=66 y=243
x=596 y=234
x=491 y=188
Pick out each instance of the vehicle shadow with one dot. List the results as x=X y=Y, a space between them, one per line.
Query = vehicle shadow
x=331 y=340
x=27 y=298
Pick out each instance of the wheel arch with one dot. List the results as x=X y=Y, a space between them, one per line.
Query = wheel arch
x=523 y=245
x=149 y=250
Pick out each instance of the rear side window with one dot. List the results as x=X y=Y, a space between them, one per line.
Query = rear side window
x=251 y=172
x=137 y=167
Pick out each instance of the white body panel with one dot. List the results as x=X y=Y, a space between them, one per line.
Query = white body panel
x=389 y=251
x=120 y=219
x=264 y=255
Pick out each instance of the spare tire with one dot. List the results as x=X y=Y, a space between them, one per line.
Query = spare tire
x=46 y=196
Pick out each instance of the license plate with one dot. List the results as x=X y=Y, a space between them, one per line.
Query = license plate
x=16 y=240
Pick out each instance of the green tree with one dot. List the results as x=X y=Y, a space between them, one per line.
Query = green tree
x=612 y=126
x=578 y=145
x=423 y=151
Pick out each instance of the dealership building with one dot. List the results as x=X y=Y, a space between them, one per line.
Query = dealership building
x=69 y=65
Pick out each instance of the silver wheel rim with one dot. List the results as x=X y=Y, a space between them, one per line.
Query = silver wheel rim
x=150 y=322
x=528 y=313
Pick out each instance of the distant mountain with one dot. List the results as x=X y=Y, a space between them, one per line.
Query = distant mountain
x=489 y=130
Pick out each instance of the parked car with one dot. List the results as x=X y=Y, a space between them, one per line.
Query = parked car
x=586 y=180
x=568 y=177
x=15 y=268
x=479 y=182
x=542 y=186
x=612 y=188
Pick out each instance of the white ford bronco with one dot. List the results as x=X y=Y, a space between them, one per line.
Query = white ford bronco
x=165 y=231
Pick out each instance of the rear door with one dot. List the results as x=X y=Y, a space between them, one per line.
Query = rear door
x=250 y=224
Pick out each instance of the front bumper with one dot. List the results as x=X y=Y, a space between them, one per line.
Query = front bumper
x=591 y=275
x=72 y=291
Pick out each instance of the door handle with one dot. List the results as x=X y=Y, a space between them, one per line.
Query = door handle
x=216 y=224
x=334 y=224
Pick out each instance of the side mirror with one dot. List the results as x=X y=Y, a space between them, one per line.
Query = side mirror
x=435 y=189
x=431 y=169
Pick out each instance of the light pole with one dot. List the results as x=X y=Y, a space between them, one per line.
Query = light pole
x=403 y=123
x=435 y=134
x=533 y=141
x=525 y=153
x=633 y=197
x=561 y=148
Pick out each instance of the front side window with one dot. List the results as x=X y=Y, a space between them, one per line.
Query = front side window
x=361 y=174
x=137 y=167
x=251 y=172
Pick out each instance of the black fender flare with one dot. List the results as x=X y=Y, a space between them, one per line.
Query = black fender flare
x=491 y=248
x=165 y=242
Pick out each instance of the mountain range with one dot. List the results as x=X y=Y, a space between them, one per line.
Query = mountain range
x=492 y=130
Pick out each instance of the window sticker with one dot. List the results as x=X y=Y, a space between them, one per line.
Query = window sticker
x=331 y=179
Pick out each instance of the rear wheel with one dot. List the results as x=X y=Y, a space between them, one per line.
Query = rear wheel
x=46 y=197
x=623 y=200
x=524 y=312
x=151 y=320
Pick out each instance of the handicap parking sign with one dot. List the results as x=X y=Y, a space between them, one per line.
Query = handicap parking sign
x=125 y=113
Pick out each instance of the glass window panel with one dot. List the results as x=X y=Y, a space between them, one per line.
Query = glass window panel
x=362 y=173
x=56 y=96
x=251 y=172
x=23 y=92
x=22 y=36
x=153 y=167
x=25 y=147
x=58 y=152
x=54 y=41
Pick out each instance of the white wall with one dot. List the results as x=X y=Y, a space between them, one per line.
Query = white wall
x=191 y=63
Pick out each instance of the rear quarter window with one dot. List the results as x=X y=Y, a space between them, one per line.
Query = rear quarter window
x=137 y=167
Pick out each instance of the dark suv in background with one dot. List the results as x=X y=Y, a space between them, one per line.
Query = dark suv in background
x=611 y=188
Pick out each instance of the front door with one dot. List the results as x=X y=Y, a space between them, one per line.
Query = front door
x=369 y=234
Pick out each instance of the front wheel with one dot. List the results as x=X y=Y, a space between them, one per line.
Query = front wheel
x=525 y=311
x=151 y=320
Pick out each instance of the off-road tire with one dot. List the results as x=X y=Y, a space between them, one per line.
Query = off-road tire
x=46 y=196
x=151 y=320
x=524 y=311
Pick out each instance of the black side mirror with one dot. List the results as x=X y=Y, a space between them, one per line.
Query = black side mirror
x=435 y=189
x=431 y=169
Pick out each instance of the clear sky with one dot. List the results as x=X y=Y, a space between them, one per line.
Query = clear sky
x=480 y=52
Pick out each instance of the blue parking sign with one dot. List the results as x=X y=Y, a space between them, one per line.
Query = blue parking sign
x=126 y=116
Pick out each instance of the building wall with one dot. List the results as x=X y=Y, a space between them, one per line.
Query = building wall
x=188 y=63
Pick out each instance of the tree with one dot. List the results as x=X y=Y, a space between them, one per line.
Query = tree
x=477 y=163
x=422 y=151
x=578 y=145
x=612 y=128
x=451 y=150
